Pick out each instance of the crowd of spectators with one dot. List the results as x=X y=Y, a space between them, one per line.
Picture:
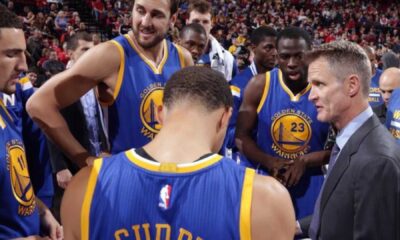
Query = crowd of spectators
x=49 y=24
x=367 y=22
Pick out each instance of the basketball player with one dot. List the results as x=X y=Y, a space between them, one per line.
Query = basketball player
x=193 y=37
x=263 y=40
x=130 y=73
x=180 y=188
x=20 y=211
x=290 y=139
x=375 y=98
x=393 y=115
x=34 y=140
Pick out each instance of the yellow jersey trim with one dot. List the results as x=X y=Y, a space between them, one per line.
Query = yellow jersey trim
x=2 y=123
x=120 y=77
x=265 y=92
x=87 y=201
x=245 y=206
x=23 y=80
x=180 y=55
x=293 y=98
x=156 y=70
x=5 y=110
x=171 y=167
x=235 y=91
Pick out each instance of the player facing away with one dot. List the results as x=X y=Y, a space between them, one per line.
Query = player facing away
x=176 y=187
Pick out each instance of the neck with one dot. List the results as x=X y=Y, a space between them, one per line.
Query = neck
x=346 y=117
x=154 y=54
x=260 y=68
x=296 y=86
x=184 y=138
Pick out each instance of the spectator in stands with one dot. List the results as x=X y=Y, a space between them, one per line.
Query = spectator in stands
x=34 y=44
x=61 y=21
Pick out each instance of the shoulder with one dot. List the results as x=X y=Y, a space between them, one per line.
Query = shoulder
x=272 y=209
x=187 y=57
x=378 y=147
x=72 y=203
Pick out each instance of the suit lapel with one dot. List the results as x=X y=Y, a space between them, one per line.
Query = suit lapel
x=343 y=161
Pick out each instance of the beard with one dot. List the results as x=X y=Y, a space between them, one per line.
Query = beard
x=155 y=39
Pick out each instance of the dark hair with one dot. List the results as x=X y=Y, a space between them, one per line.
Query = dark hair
x=294 y=33
x=174 y=4
x=200 y=6
x=73 y=41
x=262 y=32
x=195 y=27
x=201 y=84
x=9 y=19
x=390 y=59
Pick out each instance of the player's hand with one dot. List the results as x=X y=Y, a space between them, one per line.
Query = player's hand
x=63 y=178
x=54 y=229
x=293 y=174
x=277 y=166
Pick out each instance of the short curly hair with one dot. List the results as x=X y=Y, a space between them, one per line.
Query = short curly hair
x=202 y=85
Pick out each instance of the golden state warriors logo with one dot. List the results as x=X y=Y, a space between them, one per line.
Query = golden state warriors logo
x=151 y=100
x=20 y=181
x=291 y=133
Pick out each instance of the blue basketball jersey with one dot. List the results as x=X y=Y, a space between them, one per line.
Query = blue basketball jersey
x=375 y=97
x=288 y=128
x=138 y=93
x=131 y=197
x=393 y=115
x=34 y=140
x=18 y=214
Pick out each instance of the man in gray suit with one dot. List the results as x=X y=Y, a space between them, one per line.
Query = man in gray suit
x=360 y=198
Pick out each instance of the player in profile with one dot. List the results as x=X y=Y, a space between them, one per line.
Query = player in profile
x=21 y=212
x=190 y=192
x=290 y=140
x=130 y=73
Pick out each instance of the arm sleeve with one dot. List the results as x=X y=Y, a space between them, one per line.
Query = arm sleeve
x=376 y=199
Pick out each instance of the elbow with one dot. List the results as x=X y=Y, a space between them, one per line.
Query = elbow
x=33 y=107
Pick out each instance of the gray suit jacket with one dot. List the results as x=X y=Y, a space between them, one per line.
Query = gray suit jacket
x=361 y=197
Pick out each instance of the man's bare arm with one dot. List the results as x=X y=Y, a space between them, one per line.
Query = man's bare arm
x=247 y=122
x=98 y=65
x=272 y=213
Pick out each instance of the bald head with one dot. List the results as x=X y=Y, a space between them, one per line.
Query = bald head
x=390 y=80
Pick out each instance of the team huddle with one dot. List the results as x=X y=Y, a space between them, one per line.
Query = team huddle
x=288 y=148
